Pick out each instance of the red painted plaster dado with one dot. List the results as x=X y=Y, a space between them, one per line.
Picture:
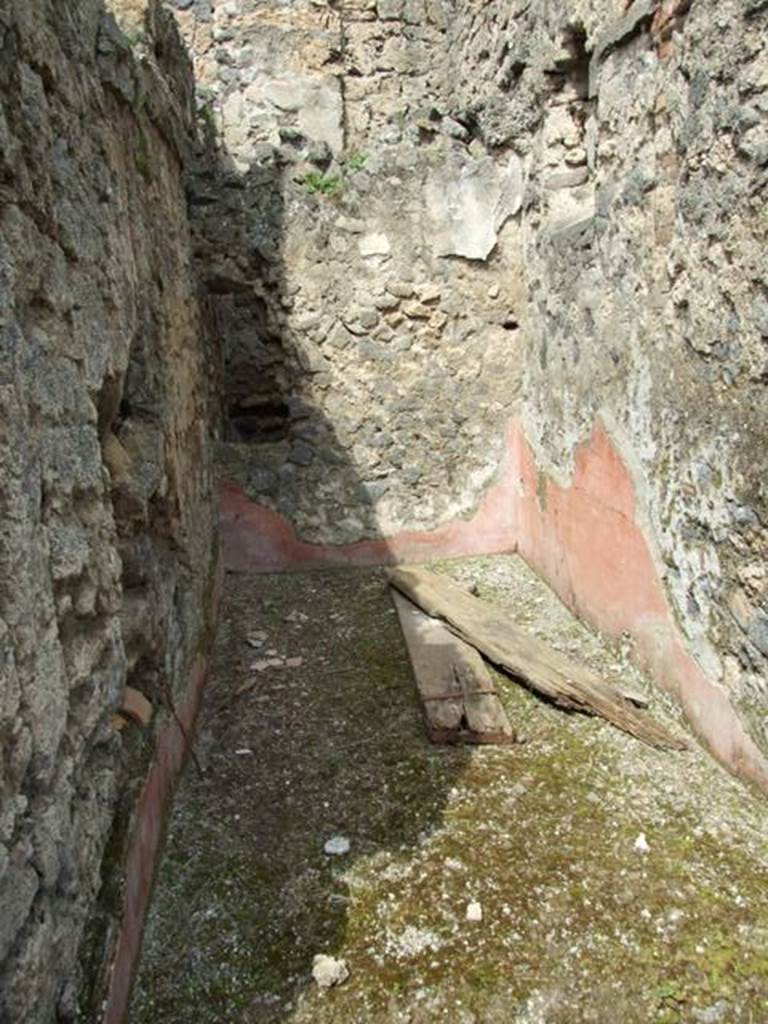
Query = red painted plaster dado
x=583 y=539
x=147 y=830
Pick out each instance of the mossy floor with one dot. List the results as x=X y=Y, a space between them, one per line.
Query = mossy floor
x=579 y=925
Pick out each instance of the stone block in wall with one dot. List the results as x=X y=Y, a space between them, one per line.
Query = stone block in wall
x=320 y=114
x=468 y=201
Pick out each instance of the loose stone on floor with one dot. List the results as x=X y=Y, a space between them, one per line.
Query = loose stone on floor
x=578 y=877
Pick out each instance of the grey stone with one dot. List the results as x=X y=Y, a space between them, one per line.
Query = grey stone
x=638 y=15
x=390 y=10
x=754 y=144
x=70 y=547
x=301 y=454
x=310 y=357
x=18 y=888
x=713 y=1014
x=568 y=179
x=375 y=489
x=72 y=458
x=340 y=337
x=455 y=129
x=320 y=154
x=263 y=481
x=372 y=350
x=400 y=289
x=760 y=314
x=368 y=318
x=758 y=633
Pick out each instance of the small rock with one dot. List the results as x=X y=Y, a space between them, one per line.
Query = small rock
x=712 y=1014
x=320 y=154
x=386 y=302
x=454 y=129
x=354 y=227
x=258 y=666
x=301 y=454
x=641 y=844
x=416 y=311
x=337 y=845
x=368 y=318
x=400 y=289
x=374 y=244
x=428 y=293
x=474 y=912
x=294 y=662
x=327 y=971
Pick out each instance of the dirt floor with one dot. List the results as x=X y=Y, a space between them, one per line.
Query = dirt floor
x=617 y=884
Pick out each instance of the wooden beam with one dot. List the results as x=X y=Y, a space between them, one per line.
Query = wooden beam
x=458 y=695
x=545 y=670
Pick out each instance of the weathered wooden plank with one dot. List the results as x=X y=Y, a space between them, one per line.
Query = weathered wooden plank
x=487 y=718
x=458 y=695
x=551 y=673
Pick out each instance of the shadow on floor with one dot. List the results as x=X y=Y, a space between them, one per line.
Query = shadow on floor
x=333 y=747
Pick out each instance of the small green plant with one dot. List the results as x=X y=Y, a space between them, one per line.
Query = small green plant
x=207 y=117
x=669 y=999
x=355 y=161
x=135 y=36
x=316 y=181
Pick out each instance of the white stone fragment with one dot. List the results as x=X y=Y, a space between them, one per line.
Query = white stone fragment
x=641 y=844
x=375 y=243
x=327 y=971
x=337 y=845
x=474 y=912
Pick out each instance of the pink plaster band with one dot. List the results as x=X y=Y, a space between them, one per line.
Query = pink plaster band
x=583 y=539
x=148 y=827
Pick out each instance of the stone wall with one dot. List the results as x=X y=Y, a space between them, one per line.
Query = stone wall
x=645 y=230
x=362 y=258
x=547 y=214
x=106 y=535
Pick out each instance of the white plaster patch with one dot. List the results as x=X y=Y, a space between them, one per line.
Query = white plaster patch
x=468 y=201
